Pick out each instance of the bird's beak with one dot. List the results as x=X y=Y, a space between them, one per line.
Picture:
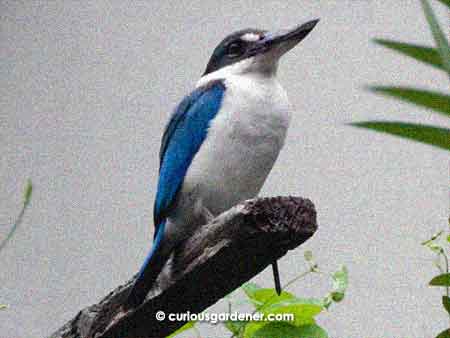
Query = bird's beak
x=283 y=41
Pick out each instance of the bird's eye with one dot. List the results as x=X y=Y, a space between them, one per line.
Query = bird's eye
x=234 y=49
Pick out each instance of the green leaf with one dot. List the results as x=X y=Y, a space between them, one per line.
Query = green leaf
x=424 y=54
x=28 y=191
x=285 y=330
x=236 y=327
x=327 y=301
x=437 y=235
x=304 y=310
x=438 y=35
x=445 y=2
x=308 y=255
x=185 y=327
x=312 y=330
x=446 y=303
x=340 y=283
x=18 y=221
x=271 y=330
x=438 y=102
x=436 y=248
x=337 y=296
x=444 y=334
x=250 y=289
x=432 y=245
x=441 y=280
x=3 y=306
x=262 y=298
x=448 y=238
x=435 y=136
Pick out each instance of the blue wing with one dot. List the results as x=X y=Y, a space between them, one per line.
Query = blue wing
x=182 y=139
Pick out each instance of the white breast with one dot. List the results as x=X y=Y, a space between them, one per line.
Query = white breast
x=241 y=147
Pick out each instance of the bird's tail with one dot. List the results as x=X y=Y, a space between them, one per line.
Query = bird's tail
x=276 y=277
x=153 y=264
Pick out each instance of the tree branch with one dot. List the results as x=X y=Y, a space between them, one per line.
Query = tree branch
x=217 y=259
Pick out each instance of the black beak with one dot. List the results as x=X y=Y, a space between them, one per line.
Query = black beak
x=283 y=40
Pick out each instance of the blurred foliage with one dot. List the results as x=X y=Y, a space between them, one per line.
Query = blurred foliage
x=26 y=201
x=439 y=244
x=438 y=57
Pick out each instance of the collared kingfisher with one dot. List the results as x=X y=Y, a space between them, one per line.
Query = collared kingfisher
x=220 y=143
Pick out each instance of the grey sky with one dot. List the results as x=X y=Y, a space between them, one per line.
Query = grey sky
x=85 y=93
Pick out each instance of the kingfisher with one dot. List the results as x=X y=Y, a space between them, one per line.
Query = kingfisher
x=220 y=143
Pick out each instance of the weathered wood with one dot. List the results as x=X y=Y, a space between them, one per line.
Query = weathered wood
x=217 y=259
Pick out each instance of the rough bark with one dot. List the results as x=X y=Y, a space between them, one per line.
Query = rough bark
x=217 y=259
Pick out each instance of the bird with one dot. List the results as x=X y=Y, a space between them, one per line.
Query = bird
x=220 y=143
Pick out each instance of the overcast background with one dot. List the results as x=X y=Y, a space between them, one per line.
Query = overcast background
x=86 y=90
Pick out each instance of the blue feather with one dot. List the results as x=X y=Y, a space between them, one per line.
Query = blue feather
x=156 y=244
x=153 y=264
x=183 y=136
x=182 y=139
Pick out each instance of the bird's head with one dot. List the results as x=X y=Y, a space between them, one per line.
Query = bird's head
x=255 y=50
